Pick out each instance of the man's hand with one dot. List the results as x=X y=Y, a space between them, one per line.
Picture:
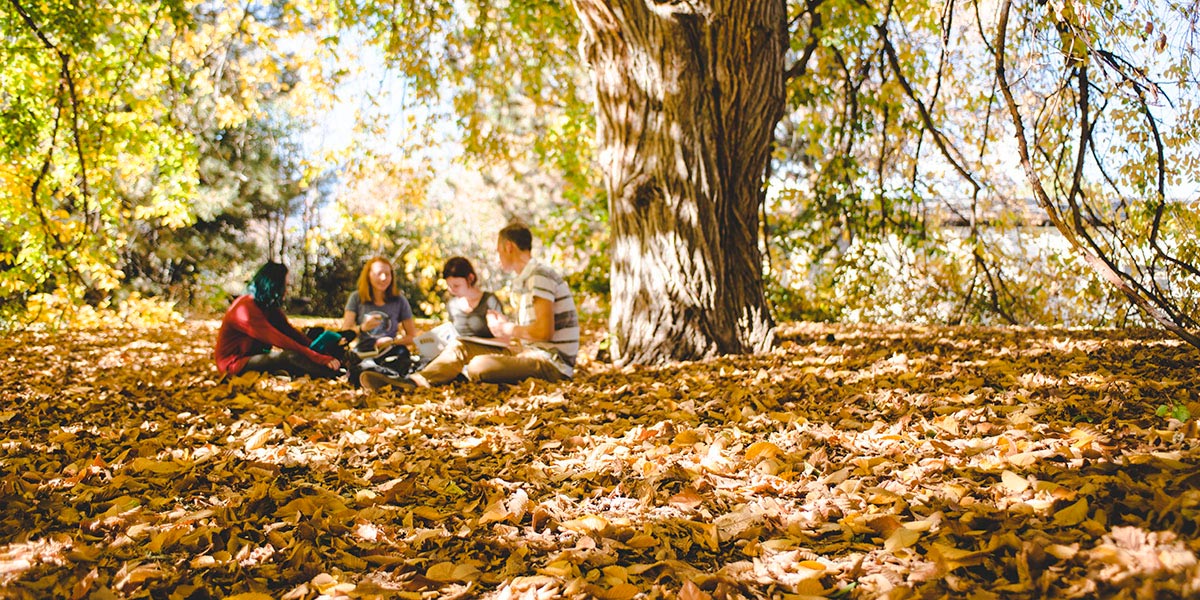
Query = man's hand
x=499 y=325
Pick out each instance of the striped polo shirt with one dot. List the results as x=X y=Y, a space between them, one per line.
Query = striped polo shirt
x=541 y=281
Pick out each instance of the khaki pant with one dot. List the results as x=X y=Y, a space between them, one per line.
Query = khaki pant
x=490 y=364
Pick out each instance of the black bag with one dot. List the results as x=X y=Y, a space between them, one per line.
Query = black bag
x=395 y=362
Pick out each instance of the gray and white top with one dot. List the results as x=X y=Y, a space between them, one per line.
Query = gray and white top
x=391 y=314
x=473 y=322
x=541 y=281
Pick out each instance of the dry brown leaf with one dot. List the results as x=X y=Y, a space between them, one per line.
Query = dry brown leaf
x=1013 y=483
x=669 y=480
x=901 y=537
x=1073 y=514
x=762 y=450
x=690 y=591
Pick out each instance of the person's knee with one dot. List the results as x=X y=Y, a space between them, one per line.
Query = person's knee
x=484 y=369
x=456 y=349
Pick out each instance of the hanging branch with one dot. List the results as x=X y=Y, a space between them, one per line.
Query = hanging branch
x=67 y=76
x=1098 y=263
x=800 y=67
x=939 y=138
x=1080 y=224
x=52 y=239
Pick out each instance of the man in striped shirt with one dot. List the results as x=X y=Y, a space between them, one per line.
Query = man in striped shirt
x=542 y=343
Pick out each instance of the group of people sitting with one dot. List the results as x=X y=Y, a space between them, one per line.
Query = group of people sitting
x=540 y=340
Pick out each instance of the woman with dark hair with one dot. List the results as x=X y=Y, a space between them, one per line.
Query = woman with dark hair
x=468 y=305
x=377 y=309
x=255 y=323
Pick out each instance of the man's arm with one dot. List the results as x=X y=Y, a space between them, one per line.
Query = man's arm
x=542 y=327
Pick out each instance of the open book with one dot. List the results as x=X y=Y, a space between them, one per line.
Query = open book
x=432 y=342
x=484 y=341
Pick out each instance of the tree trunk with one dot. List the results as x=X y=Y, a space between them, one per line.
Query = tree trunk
x=688 y=93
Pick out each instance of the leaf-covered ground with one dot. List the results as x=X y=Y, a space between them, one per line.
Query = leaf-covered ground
x=852 y=462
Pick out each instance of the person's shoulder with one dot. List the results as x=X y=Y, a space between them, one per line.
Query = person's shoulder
x=543 y=269
x=546 y=271
x=243 y=300
x=353 y=298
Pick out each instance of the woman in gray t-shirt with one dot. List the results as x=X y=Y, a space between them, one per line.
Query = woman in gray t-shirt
x=378 y=310
x=468 y=305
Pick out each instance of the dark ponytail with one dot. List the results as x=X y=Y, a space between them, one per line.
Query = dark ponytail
x=269 y=284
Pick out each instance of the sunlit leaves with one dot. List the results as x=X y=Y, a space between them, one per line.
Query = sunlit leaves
x=933 y=461
x=858 y=160
x=112 y=141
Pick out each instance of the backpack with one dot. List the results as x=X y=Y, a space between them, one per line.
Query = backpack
x=396 y=362
x=330 y=342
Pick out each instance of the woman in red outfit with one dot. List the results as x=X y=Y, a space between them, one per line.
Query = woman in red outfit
x=255 y=323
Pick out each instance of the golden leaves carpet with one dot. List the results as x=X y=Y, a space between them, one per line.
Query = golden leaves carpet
x=855 y=462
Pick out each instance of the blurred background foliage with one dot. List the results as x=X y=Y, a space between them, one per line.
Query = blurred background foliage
x=161 y=151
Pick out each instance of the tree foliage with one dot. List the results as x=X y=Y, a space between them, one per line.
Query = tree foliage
x=114 y=118
x=897 y=169
x=925 y=164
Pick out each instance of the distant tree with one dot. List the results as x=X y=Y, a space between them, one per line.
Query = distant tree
x=107 y=113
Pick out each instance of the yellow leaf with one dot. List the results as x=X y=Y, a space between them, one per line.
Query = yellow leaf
x=427 y=512
x=705 y=533
x=1015 y=484
x=688 y=498
x=365 y=497
x=1062 y=552
x=691 y=591
x=258 y=438
x=642 y=541
x=324 y=582
x=142 y=463
x=616 y=572
x=585 y=524
x=950 y=558
x=203 y=561
x=250 y=596
x=621 y=591
x=447 y=572
x=761 y=450
x=559 y=568
x=902 y=537
x=1022 y=459
x=1072 y=515
x=137 y=574
x=496 y=512
x=948 y=423
x=812 y=565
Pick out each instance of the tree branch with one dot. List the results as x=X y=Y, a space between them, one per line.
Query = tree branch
x=1097 y=262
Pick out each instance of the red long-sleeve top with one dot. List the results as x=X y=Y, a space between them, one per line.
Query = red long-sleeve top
x=247 y=330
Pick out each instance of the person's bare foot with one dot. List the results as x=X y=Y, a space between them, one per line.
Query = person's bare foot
x=419 y=380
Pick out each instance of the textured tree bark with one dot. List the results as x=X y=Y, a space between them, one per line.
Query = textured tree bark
x=688 y=93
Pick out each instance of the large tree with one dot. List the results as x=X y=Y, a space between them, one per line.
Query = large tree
x=687 y=97
x=890 y=106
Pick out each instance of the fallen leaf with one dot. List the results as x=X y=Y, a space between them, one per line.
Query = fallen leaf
x=1073 y=514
